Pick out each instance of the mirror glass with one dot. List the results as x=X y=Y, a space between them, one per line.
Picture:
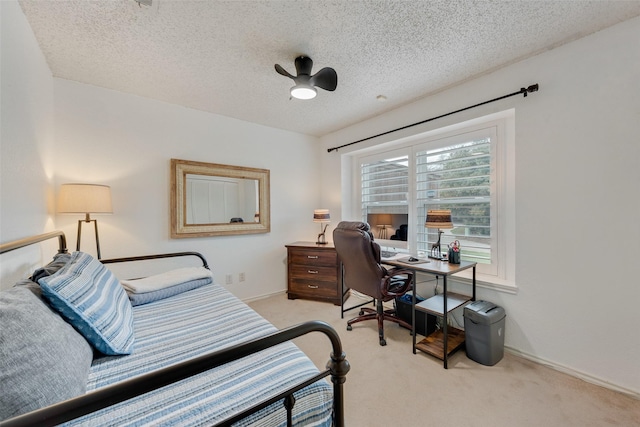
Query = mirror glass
x=220 y=200
x=209 y=199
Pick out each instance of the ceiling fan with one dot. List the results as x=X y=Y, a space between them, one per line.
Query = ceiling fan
x=306 y=84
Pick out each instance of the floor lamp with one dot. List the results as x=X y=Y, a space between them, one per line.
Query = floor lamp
x=384 y=222
x=85 y=199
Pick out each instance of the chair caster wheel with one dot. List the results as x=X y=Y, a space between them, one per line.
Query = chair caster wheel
x=361 y=313
x=383 y=342
x=349 y=327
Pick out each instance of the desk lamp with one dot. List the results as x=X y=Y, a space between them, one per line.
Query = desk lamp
x=86 y=199
x=440 y=219
x=322 y=216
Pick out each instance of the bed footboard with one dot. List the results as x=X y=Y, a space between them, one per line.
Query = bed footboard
x=157 y=256
x=337 y=368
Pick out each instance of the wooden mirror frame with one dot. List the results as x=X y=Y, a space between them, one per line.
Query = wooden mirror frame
x=179 y=226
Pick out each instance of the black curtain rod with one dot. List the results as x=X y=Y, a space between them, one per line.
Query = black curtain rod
x=524 y=91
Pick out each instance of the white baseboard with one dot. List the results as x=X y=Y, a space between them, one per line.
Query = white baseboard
x=574 y=373
x=259 y=297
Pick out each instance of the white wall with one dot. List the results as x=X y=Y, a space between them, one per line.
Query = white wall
x=126 y=142
x=577 y=198
x=26 y=141
x=94 y=135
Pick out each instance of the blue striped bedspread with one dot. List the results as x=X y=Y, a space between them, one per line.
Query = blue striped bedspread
x=194 y=323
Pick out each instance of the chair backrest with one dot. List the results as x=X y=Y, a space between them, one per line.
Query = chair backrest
x=360 y=256
x=401 y=233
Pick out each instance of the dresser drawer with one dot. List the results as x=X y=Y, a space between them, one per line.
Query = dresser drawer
x=312 y=288
x=313 y=257
x=312 y=272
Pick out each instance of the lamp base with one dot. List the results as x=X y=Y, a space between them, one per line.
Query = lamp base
x=321 y=239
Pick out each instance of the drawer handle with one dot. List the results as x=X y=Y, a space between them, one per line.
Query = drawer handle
x=312 y=271
x=312 y=256
x=312 y=286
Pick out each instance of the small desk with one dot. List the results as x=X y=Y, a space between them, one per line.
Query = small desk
x=437 y=344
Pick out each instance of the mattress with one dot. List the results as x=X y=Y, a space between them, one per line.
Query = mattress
x=194 y=323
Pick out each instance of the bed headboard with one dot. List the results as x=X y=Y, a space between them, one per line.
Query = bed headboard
x=115 y=263
x=21 y=243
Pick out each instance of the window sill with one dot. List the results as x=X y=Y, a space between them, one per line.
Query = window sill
x=487 y=282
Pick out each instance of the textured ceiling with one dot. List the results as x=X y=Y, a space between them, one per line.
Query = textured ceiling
x=219 y=56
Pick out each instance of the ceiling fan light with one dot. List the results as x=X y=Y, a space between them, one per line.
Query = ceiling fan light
x=303 y=91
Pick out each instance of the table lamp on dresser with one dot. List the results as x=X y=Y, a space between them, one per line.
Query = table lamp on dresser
x=322 y=216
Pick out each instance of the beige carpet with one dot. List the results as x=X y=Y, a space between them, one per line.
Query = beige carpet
x=390 y=385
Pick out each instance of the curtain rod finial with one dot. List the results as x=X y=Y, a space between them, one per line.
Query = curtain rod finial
x=532 y=88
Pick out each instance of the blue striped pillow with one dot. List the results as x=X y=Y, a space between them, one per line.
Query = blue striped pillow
x=92 y=299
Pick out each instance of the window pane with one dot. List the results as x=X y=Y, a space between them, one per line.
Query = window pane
x=385 y=192
x=385 y=181
x=457 y=177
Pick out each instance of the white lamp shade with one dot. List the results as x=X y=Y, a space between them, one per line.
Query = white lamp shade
x=84 y=198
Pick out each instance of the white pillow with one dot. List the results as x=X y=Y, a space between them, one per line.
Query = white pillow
x=166 y=279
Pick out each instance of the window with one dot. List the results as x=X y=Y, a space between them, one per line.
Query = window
x=468 y=170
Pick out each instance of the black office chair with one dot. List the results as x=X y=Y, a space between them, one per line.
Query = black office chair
x=360 y=257
x=401 y=233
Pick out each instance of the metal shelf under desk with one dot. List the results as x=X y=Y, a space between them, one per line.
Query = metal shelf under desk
x=434 y=344
x=448 y=339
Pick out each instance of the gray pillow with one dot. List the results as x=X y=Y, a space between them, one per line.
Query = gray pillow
x=147 y=297
x=43 y=360
x=59 y=261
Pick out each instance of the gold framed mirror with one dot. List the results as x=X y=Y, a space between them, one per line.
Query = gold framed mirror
x=209 y=199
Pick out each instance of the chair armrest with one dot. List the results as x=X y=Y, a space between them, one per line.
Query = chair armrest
x=397 y=291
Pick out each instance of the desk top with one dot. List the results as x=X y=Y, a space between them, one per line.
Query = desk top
x=433 y=266
x=328 y=245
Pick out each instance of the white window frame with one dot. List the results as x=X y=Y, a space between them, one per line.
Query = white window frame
x=502 y=275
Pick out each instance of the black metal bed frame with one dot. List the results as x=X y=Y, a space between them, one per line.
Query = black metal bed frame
x=337 y=367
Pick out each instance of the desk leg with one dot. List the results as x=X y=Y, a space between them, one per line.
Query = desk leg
x=413 y=311
x=342 y=291
x=445 y=338
x=474 y=283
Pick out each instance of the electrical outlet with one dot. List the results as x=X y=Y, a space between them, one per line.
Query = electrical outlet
x=241 y=277
x=229 y=279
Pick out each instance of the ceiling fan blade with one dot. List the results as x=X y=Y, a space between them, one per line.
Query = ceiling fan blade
x=304 y=65
x=284 y=72
x=327 y=79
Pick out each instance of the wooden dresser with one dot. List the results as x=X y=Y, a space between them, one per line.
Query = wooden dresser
x=313 y=272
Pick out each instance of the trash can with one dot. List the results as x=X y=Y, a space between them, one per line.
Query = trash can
x=484 y=332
